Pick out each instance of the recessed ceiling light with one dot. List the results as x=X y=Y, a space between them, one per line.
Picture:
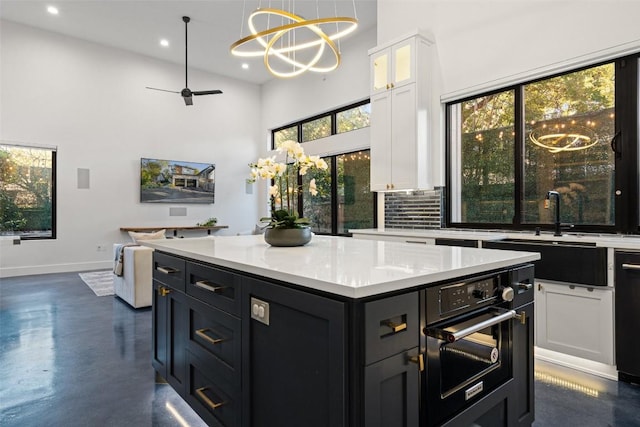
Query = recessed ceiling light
x=245 y=66
x=52 y=10
x=164 y=43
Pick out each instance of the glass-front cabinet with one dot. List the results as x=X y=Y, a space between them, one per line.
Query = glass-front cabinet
x=393 y=66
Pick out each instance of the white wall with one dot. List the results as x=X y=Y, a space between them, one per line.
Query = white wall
x=90 y=101
x=492 y=43
x=288 y=100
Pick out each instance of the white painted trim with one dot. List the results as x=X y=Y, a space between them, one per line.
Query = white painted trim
x=28 y=144
x=546 y=70
x=578 y=363
x=54 y=268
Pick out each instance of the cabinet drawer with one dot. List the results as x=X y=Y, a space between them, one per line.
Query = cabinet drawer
x=212 y=398
x=214 y=286
x=391 y=326
x=215 y=335
x=169 y=270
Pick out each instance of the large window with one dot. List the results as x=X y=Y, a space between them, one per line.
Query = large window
x=344 y=200
x=27 y=191
x=508 y=148
x=351 y=117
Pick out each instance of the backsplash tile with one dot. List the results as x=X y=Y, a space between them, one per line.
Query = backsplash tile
x=418 y=210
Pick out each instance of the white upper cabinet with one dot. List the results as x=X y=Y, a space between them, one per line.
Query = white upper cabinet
x=393 y=66
x=400 y=116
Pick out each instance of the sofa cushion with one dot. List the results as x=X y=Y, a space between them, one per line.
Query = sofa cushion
x=137 y=236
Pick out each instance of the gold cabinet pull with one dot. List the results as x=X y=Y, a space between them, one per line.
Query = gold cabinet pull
x=205 y=284
x=419 y=360
x=167 y=270
x=209 y=402
x=202 y=334
x=395 y=327
x=164 y=291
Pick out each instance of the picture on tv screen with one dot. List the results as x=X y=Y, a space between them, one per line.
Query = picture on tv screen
x=171 y=181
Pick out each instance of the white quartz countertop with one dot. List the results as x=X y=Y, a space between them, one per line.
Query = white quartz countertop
x=616 y=241
x=344 y=266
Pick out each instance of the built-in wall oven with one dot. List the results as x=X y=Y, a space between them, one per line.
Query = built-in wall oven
x=468 y=340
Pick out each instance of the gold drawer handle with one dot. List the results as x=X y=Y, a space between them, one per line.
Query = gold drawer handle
x=209 y=402
x=395 y=327
x=419 y=360
x=204 y=284
x=202 y=334
x=163 y=292
x=167 y=270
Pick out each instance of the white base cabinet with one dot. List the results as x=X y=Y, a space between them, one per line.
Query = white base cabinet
x=575 y=320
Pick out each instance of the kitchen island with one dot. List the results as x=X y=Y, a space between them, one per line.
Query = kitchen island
x=334 y=333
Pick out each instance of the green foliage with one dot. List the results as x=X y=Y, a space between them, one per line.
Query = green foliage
x=208 y=223
x=584 y=99
x=281 y=218
x=25 y=189
x=11 y=218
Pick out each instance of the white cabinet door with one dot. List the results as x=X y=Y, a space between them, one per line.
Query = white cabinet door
x=380 y=65
x=403 y=64
x=394 y=157
x=404 y=160
x=575 y=320
x=380 y=132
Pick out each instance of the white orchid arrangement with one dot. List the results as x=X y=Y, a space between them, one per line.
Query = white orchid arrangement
x=285 y=189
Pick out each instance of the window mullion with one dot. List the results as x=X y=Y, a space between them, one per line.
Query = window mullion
x=518 y=155
x=334 y=195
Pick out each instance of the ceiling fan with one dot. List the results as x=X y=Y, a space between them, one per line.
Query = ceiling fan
x=186 y=93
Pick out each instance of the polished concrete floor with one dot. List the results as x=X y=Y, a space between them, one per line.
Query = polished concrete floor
x=69 y=358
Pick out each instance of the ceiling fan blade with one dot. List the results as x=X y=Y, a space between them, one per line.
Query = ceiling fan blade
x=207 y=92
x=188 y=100
x=163 y=90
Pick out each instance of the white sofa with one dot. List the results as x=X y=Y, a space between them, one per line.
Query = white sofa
x=135 y=286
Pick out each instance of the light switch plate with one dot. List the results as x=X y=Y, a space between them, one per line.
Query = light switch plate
x=260 y=310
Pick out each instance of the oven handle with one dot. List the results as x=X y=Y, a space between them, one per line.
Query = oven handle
x=450 y=337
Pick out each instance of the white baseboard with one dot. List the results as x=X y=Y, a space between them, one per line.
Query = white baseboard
x=55 y=268
x=589 y=366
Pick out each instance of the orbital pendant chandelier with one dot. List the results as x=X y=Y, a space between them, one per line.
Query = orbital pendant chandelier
x=290 y=44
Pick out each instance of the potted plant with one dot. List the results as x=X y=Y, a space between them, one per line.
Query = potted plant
x=284 y=227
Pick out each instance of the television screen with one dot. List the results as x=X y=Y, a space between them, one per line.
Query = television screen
x=171 y=181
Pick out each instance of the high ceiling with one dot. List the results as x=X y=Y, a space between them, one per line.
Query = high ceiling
x=139 y=25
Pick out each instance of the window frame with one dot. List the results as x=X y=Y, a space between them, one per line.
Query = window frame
x=332 y=114
x=54 y=154
x=333 y=166
x=627 y=121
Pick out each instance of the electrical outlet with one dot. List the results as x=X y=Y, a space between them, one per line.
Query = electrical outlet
x=260 y=310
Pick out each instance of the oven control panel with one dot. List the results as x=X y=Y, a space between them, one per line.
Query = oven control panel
x=469 y=294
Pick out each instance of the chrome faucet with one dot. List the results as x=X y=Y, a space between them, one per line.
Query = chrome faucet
x=550 y=193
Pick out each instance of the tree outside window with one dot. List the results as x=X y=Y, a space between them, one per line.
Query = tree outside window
x=27 y=191
x=567 y=122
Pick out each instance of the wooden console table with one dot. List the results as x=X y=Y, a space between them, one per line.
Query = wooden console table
x=175 y=229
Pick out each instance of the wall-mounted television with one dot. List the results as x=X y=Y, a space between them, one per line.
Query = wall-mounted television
x=172 y=181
